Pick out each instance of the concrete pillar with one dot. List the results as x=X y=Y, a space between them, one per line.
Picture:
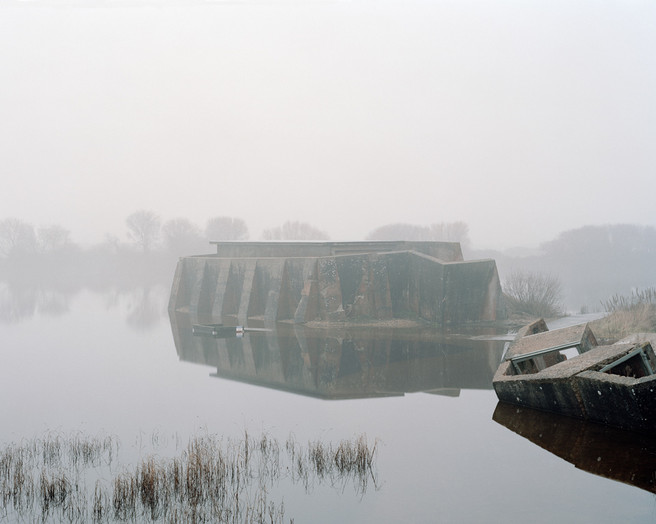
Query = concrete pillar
x=271 y=289
x=308 y=304
x=247 y=288
x=223 y=272
x=196 y=272
x=330 y=293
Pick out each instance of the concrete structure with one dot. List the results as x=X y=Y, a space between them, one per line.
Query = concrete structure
x=263 y=283
x=614 y=384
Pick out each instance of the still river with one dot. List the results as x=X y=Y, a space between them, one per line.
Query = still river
x=101 y=363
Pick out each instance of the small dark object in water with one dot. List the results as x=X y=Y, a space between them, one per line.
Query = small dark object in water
x=216 y=330
x=221 y=331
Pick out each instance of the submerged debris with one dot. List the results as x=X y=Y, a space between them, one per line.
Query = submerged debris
x=566 y=372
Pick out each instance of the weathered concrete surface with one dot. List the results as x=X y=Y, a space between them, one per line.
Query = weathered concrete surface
x=265 y=283
x=556 y=388
x=445 y=251
x=637 y=338
x=580 y=335
x=623 y=402
x=621 y=396
x=537 y=336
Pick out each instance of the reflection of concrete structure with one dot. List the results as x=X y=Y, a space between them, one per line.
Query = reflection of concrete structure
x=355 y=363
x=267 y=282
x=602 y=450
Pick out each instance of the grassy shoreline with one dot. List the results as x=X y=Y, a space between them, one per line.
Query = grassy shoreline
x=623 y=323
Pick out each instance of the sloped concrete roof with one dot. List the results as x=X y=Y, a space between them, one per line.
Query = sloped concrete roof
x=548 y=339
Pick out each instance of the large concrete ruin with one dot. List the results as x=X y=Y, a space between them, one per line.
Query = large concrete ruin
x=262 y=283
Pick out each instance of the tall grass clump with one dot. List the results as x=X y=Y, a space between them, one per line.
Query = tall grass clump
x=635 y=313
x=212 y=480
x=351 y=461
x=637 y=299
x=534 y=294
x=41 y=479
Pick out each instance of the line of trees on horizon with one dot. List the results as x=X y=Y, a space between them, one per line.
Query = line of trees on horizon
x=146 y=232
x=592 y=262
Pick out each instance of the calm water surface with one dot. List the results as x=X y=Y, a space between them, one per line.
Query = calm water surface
x=115 y=363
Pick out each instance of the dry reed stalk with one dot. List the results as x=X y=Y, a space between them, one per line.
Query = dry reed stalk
x=640 y=318
x=213 y=480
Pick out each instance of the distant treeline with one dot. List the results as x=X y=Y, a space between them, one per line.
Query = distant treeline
x=145 y=232
x=41 y=268
x=592 y=263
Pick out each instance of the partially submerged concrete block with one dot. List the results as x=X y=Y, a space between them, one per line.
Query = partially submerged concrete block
x=612 y=384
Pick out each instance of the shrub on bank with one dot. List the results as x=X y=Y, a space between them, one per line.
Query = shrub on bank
x=533 y=294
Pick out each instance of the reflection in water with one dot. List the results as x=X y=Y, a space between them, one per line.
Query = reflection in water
x=15 y=306
x=602 y=450
x=344 y=363
x=20 y=302
x=144 y=306
x=46 y=286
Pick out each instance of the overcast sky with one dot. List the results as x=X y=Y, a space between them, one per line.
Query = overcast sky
x=521 y=118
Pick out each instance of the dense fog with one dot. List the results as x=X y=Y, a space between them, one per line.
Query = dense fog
x=520 y=120
x=136 y=132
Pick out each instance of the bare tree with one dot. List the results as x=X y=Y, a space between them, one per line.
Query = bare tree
x=443 y=232
x=450 y=232
x=226 y=228
x=53 y=238
x=16 y=237
x=534 y=294
x=182 y=236
x=294 y=231
x=400 y=231
x=143 y=228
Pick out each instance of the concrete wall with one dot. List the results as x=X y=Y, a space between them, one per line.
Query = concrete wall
x=615 y=400
x=378 y=285
x=445 y=251
x=554 y=394
x=619 y=401
x=577 y=389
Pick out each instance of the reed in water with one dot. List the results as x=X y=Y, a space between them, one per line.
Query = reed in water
x=213 y=479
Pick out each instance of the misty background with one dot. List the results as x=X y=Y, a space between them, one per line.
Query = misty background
x=523 y=130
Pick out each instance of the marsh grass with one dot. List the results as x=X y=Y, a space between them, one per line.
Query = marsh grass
x=637 y=300
x=631 y=314
x=622 y=323
x=79 y=479
x=42 y=476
